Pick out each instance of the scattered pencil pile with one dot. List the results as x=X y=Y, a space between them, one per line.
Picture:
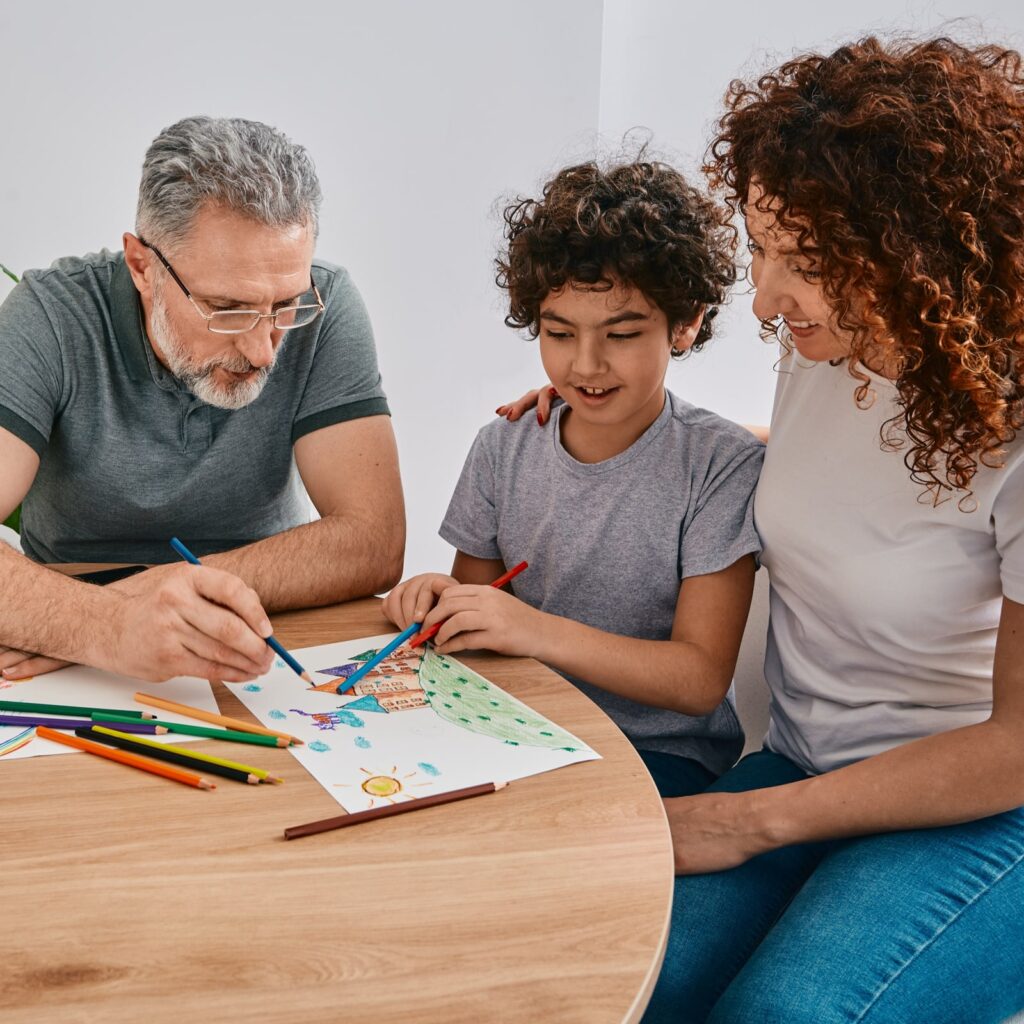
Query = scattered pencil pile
x=122 y=735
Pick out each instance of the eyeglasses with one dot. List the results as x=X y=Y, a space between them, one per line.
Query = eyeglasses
x=238 y=321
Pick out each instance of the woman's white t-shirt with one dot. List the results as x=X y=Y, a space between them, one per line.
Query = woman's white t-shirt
x=884 y=608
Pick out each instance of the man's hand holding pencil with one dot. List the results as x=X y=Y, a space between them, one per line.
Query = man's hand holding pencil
x=180 y=620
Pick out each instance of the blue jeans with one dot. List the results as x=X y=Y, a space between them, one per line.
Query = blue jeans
x=916 y=926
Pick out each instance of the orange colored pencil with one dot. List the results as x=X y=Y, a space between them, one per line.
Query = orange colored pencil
x=154 y=767
x=209 y=716
x=421 y=638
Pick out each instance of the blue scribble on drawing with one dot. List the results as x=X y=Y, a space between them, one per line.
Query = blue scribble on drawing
x=319 y=746
x=278 y=663
x=428 y=769
x=278 y=715
x=252 y=687
x=367 y=703
x=363 y=743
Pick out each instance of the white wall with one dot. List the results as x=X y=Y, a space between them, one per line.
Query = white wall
x=419 y=114
x=666 y=65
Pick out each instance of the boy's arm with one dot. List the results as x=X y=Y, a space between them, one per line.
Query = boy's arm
x=689 y=673
x=479 y=571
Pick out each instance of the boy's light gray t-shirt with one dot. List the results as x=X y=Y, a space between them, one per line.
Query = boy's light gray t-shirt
x=610 y=542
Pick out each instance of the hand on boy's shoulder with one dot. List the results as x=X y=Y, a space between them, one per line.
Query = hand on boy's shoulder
x=543 y=399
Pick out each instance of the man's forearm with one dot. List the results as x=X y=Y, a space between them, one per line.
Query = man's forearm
x=46 y=612
x=333 y=559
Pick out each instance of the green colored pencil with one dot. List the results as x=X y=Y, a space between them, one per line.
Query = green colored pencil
x=260 y=773
x=74 y=710
x=232 y=735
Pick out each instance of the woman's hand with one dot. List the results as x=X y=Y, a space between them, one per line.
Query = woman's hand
x=483 y=618
x=716 y=831
x=541 y=398
x=410 y=601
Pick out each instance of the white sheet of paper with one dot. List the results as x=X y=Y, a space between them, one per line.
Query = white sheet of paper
x=418 y=724
x=90 y=687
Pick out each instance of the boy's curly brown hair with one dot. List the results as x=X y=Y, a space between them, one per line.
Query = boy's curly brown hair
x=639 y=224
x=903 y=163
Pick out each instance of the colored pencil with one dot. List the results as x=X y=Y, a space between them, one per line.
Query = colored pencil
x=377 y=658
x=126 y=743
x=209 y=716
x=231 y=735
x=344 y=820
x=197 y=755
x=69 y=709
x=121 y=756
x=497 y=584
x=271 y=640
x=135 y=725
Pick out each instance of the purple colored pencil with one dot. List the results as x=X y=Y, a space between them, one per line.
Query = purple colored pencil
x=74 y=723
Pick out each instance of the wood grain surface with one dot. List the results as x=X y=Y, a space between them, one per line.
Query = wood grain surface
x=124 y=897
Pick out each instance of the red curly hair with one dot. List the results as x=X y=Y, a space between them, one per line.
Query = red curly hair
x=903 y=164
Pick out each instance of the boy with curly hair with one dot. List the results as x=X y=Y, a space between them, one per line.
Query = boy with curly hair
x=634 y=510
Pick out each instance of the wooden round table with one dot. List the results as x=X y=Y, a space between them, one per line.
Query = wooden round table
x=129 y=898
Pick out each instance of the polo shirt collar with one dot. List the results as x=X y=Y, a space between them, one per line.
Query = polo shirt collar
x=127 y=317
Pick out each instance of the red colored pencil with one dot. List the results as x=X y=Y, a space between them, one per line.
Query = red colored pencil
x=504 y=578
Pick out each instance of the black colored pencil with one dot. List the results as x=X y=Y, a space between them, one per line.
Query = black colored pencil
x=207 y=767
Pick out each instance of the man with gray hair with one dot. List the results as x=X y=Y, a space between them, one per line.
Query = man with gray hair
x=199 y=384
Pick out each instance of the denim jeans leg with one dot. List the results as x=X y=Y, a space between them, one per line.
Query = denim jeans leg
x=675 y=775
x=719 y=919
x=921 y=925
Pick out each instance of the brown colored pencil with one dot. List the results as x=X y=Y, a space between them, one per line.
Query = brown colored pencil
x=209 y=716
x=344 y=820
x=154 y=767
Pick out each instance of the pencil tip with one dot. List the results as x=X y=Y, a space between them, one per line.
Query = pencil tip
x=307 y=677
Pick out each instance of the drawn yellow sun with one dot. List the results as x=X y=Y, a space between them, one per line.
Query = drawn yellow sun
x=382 y=785
x=386 y=786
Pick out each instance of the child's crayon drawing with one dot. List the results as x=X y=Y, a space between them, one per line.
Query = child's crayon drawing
x=388 y=787
x=449 y=725
x=17 y=741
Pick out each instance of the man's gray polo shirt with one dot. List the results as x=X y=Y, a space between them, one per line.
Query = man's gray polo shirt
x=128 y=456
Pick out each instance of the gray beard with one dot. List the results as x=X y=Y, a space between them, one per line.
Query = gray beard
x=198 y=377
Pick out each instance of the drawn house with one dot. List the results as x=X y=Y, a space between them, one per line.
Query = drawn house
x=395 y=682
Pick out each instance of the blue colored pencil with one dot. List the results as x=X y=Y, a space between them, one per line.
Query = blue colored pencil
x=272 y=640
x=379 y=657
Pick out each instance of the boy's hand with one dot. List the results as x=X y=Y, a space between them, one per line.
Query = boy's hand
x=410 y=601
x=482 y=618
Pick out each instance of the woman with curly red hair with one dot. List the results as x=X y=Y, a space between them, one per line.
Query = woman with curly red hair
x=868 y=863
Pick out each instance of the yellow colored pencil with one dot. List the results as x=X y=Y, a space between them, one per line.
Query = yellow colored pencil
x=260 y=773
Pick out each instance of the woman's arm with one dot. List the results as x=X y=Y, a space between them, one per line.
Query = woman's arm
x=946 y=779
x=690 y=672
